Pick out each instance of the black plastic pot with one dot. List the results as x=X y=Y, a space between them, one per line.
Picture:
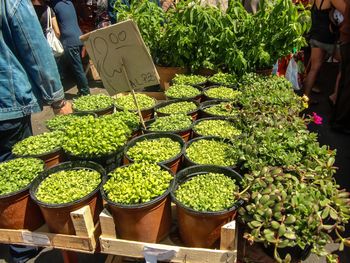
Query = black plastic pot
x=202 y=229
x=207 y=98
x=146 y=222
x=196 y=134
x=184 y=133
x=100 y=112
x=188 y=162
x=57 y=216
x=207 y=104
x=174 y=164
x=147 y=113
x=193 y=114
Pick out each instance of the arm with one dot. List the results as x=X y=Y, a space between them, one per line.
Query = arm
x=56 y=27
x=34 y=53
x=340 y=5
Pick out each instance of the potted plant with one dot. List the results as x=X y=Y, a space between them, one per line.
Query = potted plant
x=60 y=122
x=145 y=102
x=17 y=210
x=138 y=198
x=181 y=91
x=65 y=188
x=223 y=79
x=178 y=106
x=216 y=126
x=219 y=108
x=206 y=198
x=211 y=150
x=45 y=146
x=162 y=148
x=180 y=124
x=193 y=80
x=99 y=104
x=221 y=92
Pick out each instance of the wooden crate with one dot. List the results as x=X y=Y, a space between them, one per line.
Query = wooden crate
x=110 y=244
x=85 y=239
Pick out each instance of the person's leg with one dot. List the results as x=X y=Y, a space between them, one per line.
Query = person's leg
x=11 y=132
x=74 y=58
x=316 y=60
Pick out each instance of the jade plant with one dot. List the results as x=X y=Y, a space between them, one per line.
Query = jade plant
x=222 y=92
x=174 y=122
x=154 y=150
x=137 y=183
x=92 y=102
x=67 y=186
x=221 y=128
x=189 y=79
x=178 y=107
x=223 y=79
x=127 y=102
x=60 y=122
x=39 y=144
x=93 y=137
x=224 y=109
x=180 y=91
x=212 y=151
x=18 y=173
x=208 y=192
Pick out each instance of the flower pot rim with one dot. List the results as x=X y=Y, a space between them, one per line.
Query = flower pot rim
x=147 y=123
x=141 y=205
x=168 y=102
x=238 y=203
x=25 y=188
x=76 y=165
x=94 y=111
x=156 y=135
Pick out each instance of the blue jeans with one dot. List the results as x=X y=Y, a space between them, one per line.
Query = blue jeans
x=11 y=132
x=73 y=57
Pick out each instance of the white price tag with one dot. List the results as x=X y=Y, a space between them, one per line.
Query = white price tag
x=36 y=239
x=153 y=254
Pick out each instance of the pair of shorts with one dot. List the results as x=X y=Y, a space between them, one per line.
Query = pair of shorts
x=329 y=48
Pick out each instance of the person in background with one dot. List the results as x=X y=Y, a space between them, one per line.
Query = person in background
x=41 y=7
x=322 y=39
x=28 y=78
x=70 y=33
x=341 y=116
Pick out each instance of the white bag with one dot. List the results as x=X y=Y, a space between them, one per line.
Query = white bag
x=292 y=73
x=53 y=41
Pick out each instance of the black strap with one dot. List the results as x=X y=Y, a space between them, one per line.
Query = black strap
x=320 y=8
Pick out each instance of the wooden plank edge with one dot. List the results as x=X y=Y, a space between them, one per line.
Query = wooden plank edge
x=183 y=254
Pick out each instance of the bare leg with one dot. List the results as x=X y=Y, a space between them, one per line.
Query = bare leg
x=316 y=59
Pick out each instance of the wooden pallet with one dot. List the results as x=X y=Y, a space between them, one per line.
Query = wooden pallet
x=110 y=244
x=85 y=239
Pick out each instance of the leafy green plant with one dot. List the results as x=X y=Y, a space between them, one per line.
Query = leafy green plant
x=131 y=119
x=67 y=186
x=174 y=122
x=224 y=109
x=208 y=192
x=223 y=79
x=60 y=122
x=137 y=183
x=93 y=137
x=181 y=79
x=39 y=144
x=127 y=102
x=211 y=151
x=178 y=107
x=221 y=128
x=180 y=91
x=154 y=150
x=16 y=174
x=222 y=92
x=92 y=102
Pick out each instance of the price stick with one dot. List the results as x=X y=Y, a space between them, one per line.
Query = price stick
x=133 y=94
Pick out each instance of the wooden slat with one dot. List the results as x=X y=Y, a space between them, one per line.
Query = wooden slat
x=183 y=254
x=83 y=222
x=228 y=236
x=107 y=224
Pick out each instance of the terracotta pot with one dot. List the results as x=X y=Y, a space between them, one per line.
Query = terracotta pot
x=193 y=114
x=57 y=216
x=146 y=222
x=174 y=164
x=202 y=229
x=166 y=74
x=18 y=211
x=264 y=71
x=105 y=111
x=196 y=134
x=186 y=134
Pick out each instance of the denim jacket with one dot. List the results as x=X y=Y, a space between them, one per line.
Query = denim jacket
x=28 y=71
